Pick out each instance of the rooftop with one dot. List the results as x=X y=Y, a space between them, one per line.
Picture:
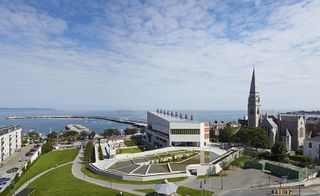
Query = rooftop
x=4 y=129
x=173 y=117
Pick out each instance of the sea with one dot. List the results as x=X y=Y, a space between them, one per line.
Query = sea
x=46 y=126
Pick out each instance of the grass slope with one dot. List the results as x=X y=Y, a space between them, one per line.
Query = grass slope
x=61 y=182
x=47 y=161
x=128 y=150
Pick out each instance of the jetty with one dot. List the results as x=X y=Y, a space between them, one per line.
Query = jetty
x=136 y=123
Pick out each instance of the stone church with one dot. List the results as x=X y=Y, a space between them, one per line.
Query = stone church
x=290 y=129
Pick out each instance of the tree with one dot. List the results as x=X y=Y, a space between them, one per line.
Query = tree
x=278 y=152
x=33 y=136
x=130 y=131
x=110 y=132
x=252 y=137
x=89 y=155
x=100 y=153
x=46 y=147
x=52 y=136
x=227 y=134
x=92 y=134
x=70 y=136
x=83 y=135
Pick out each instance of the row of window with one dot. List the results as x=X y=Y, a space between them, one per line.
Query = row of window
x=185 y=131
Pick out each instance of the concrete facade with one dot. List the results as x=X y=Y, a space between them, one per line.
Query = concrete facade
x=167 y=129
x=254 y=105
x=311 y=148
x=10 y=141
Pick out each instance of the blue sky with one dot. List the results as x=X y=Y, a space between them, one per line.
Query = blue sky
x=98 y=55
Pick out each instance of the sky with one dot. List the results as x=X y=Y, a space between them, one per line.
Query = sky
x=147 y=54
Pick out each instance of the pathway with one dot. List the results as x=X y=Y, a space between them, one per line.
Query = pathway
x=26 y=184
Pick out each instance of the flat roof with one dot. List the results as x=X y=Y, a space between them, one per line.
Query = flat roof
x=170 y=118
x=4 y=129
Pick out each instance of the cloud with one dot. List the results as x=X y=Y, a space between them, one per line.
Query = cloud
x=133 y=54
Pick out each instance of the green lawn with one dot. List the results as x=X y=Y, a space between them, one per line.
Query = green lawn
x=145 y=190
x=61 y=182
x=128 y=150
x=129 y=143
x=115 y=180
x=182 y=190
x=47 y=161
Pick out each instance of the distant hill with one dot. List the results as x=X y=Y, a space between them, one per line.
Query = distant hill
x=27 y=109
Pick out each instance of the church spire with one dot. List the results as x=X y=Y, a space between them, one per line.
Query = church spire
x=254 y=106
x=253 y=87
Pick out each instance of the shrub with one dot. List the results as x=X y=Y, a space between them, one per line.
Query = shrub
x=47 y=147
x=303 y=160
x=100 y=153
x=264 y=155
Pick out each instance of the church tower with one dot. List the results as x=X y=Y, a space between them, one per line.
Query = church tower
x=254 y=106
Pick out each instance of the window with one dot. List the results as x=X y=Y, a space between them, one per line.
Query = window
x=310 y=145
x=185 y=131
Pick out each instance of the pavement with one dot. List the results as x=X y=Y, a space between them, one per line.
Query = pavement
x=235 y=179
x=13 y=161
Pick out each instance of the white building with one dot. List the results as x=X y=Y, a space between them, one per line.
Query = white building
x=78 y=128
x=10 y=141
x=311 y=148
x=166 y=129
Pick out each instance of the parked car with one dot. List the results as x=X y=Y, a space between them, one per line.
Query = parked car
x=13 y=170
x=23 y=159
x=18 y=150
x=28 y=154
x=4 y=179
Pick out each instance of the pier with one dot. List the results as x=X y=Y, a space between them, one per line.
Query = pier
x=136 y=123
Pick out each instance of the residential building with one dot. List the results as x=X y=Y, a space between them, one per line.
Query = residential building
x=165 y=128
x=311 y=148
x=254 y=105
x=10 y=141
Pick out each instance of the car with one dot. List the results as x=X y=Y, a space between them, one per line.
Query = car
x=4 y=179
x=3 y=183
x=13 y=170
x=28 y=154
x=23 y=159
x=18 y=150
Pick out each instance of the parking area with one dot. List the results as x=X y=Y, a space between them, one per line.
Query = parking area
x=13 y=161
x=13 y=165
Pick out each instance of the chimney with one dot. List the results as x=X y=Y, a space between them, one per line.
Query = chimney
x=172 y=113
x=164 y=112
x=181 y=115
x=176 y=114
x=157 y=110
x=160 y=111
x=191 y=117
x=186 y=116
